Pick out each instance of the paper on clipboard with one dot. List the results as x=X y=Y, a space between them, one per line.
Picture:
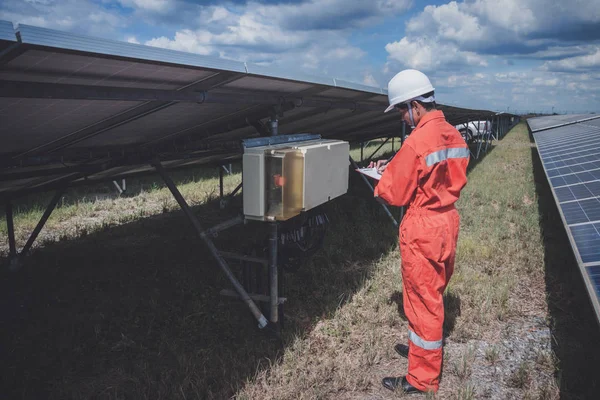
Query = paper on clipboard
x=370 y=172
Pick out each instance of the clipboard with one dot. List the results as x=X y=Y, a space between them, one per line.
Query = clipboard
x=370 y=172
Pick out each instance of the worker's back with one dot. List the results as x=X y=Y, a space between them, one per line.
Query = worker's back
x=444 y=157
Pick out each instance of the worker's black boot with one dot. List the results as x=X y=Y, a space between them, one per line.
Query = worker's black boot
x=395 y=383
x=401 y=349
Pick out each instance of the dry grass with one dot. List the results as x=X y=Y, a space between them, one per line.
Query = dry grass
x=133 y=311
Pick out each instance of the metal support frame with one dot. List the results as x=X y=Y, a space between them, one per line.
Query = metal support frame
x=228 y=170
x=379 y=148
x=362 y=148
x=262 y=321
x=273 y=247
x=273 y=273
x=366 y=181
x=23 y=89
x=214 y=231
x=16 y=258
x=11 y=231
x=224 y=200
x=479 y=137
x=122 y=188
x=221 y=183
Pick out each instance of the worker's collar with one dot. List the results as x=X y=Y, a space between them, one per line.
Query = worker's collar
x=429 y=116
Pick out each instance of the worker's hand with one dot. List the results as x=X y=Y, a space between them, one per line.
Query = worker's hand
x=381 y=165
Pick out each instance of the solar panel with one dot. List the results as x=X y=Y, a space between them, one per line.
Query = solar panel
x=7 y=36
x=570 y=154
x=72 y=103
x=542 y=123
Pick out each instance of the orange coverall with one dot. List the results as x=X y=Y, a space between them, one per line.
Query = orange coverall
x=427 y=174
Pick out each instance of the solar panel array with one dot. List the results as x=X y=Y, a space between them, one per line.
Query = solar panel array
x=77 y=109
x=547 y=122
x=570 y=154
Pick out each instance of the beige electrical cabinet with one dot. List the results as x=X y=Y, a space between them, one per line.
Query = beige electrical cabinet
x=280 y=181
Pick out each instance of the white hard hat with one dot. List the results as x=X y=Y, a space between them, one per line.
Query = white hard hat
x=407 y=85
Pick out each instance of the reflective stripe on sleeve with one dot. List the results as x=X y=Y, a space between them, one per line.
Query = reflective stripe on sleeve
x=424 y=344
x=444 y=154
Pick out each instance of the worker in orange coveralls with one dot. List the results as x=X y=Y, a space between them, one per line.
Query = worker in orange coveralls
x=427 y=174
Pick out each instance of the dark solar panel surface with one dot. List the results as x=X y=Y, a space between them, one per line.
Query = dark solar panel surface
x=541 y=123
x=570 y=155
x=47 y=123
x=7 y=35
x=594 y=274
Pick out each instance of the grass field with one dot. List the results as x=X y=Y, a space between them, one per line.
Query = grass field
x=122 y=301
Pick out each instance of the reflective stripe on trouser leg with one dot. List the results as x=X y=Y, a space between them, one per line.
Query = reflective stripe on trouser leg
x=427 y=244
x=424 y=344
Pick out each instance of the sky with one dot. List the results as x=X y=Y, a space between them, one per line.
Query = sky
x=503 y=55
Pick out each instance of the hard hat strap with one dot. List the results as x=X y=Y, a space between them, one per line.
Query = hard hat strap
x=410 y=115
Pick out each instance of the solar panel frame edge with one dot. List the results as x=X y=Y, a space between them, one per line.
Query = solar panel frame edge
x=580 y=118
x=582 y=268
x=50 y=38
x=7 y=32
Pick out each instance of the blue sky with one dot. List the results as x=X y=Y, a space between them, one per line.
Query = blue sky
x=525 y=55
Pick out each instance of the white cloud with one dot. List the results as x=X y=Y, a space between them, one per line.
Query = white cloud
x=448 y=22
x=545 y=82
x=132 y=39
x=159 y=6
x=558 y=52
x=511 y=15
x=82 y=16
x=290 y=36
x=427 y=54
x=369 y=80
x=510 y=77
x=185 y=40
x=333 y=14
x=579 y=63
x=495 y=25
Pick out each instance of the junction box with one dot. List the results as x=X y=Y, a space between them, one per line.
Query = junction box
x=282 y=180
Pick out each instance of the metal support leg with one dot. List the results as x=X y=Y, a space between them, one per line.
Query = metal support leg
x=221 y=200
x=362 y=148
x=364 y=178
x=273 y=273
x=42 y=222
x=274 y=126
x=16 y=260
x=121 y=189
x=479 y=140
x=380 y=146
x=237 y=188
x=262 y=321
x=11 y=231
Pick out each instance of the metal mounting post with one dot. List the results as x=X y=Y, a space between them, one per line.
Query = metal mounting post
x=122 y=188
x=274 y=123
x=221 y=183
x=11 y=231
x=273 y=273
x=380 y=146
x=480 y=138
x=16 y=259
x=225 y=200
x=262 y=321
x=362 y=147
